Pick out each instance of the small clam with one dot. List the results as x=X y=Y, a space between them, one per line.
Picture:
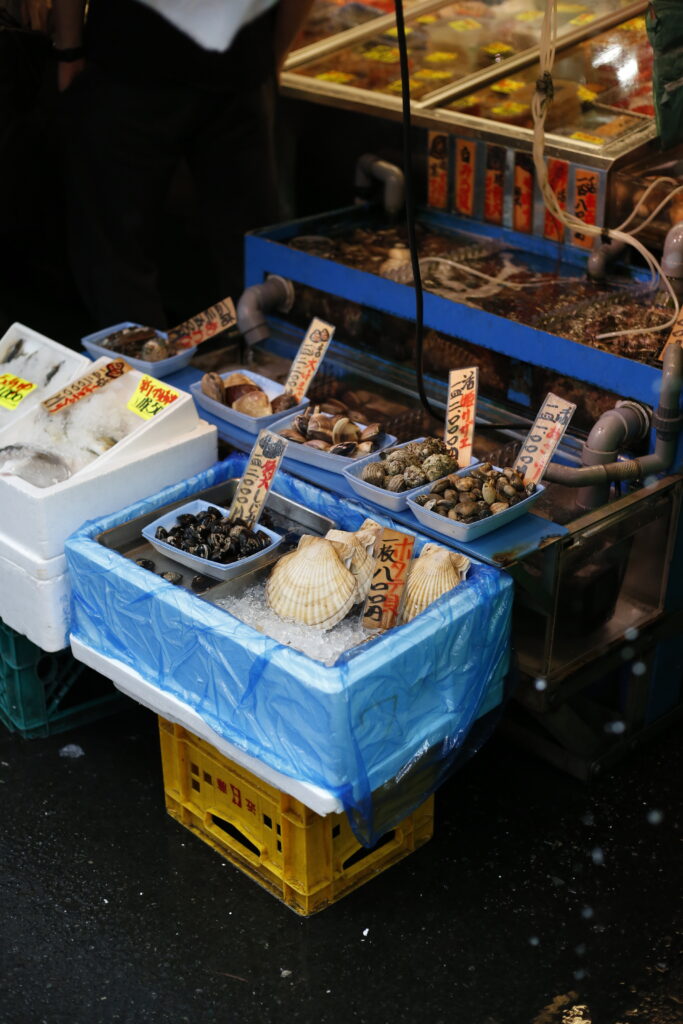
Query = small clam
x=319 y=428
x=346 y=448
x=439 y=487
x=154 y=349
x=145 y=563
x=464 y=483
x=499 y=506
x=396 y=483
x=488 y=492
x=300 y=423
x=345 y=430
x=373 y=432
x=465 y=509
x=212 y=386
x=332 y=406
x=443 y=507
x=161 y=533
x=530 y=488
x=366 y=447
x=283 y=402
x=373 y=473
x=316 y=442
x=171 y=577
x=293 y=435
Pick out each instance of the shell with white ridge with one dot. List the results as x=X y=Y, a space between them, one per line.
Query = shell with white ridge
x=434 y=573
x=360 y=545
x=313 y=585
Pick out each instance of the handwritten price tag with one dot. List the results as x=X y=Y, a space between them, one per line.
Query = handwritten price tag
x=204 y=325
x=393 y=554
x=86 y=385
x=13 y=390
x=465 y=172
x=150 y=397
x=252 y=490
x=309 y=357
x=544 y=437
x=460 y=414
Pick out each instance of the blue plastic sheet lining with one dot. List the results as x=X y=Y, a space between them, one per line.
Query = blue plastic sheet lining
x=387 y=718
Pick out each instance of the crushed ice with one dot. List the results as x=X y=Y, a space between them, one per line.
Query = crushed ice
x=72 y=750
x=322 y=645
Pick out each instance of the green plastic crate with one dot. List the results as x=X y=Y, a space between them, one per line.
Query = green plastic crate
x=42 y=694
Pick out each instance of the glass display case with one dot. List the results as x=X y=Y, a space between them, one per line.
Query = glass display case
x=329 y=17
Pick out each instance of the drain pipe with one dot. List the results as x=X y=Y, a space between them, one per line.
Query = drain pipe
x=275 y=293
x=369 y=168
x=595 y=475
x=603 y=254
x=672 y=258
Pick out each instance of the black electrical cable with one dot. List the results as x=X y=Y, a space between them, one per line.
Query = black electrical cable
x=410 y=210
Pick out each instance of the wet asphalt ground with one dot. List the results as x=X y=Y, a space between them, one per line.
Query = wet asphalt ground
x=539 y=900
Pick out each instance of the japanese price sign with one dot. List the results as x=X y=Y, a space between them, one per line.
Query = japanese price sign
x=587 y=186
x=558 y=179
x=544 y=437
x=393 y=554
x=252 y=490
x=494 y=184
x=523 y=196
x=204 y=325
x=437 y=170
x=460 y=413
x=86 y=385
x=13 y=390
x=465 y=167
x=309 y=357
x=150 y=397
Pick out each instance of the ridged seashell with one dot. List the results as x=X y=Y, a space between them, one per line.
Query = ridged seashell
x=434 y=573
x=253 y=403
x=360 y=547
x=312 y=585
x=373 y=473
x=396 y=483
x=212 y=386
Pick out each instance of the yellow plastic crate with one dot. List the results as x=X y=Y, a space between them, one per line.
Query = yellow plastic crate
x=305 y=859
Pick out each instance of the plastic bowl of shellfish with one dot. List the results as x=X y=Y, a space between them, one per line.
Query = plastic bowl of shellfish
x=199 y=534
x=493 y=498
x=330 y=441
x=151 y=345
x=245 y=399
x=400 y=472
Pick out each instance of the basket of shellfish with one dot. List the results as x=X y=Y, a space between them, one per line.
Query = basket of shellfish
x=329 y=440
x=201 y=536
x=145 y=348
x=245 y=399
x=472 y=502
x=400 y=471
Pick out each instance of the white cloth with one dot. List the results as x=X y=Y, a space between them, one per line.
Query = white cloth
x=211 y=23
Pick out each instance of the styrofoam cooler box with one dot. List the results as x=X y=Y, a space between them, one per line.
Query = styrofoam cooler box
x=41 y=361
x=36 y=605
x=40 y=519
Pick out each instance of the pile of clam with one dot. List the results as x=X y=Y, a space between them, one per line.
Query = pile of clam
x=242 y=394
x=211 y=535
x=411 y=465
x=482 y=492
x=334 y=433
x=320 y=582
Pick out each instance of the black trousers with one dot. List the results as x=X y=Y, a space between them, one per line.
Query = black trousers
x=123 y=141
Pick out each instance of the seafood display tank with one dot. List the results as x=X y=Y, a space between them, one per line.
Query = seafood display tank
x=521 y=308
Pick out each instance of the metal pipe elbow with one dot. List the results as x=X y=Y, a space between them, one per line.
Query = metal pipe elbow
x=368 y=168
x=275 y=293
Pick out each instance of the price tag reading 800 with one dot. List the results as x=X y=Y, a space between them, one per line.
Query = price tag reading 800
x=393 y=554
x=544 y=437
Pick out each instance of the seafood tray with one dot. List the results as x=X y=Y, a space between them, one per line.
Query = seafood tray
x=159 y=368
x=39 y=361
x=348 y=728
x=250 y=424
x=272 y=250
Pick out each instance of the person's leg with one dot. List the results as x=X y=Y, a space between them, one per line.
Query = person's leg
x=121 y=142
x=232 y=160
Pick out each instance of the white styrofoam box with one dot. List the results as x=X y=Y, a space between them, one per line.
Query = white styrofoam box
x=40 y=519
x=39 y=608
x=69 y=365
x=130 y=682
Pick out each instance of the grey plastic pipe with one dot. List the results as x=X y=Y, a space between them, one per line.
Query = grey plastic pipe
x=672 y=258
x=370 y=168
x=595 y=477
x=275 y=293
x=603 y=254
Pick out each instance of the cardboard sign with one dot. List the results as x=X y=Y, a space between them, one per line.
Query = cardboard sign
x=544 y=437
x=309 y=357
x=465 y=165
x=494 y=184
x=558 y=179
x=252 y=490
x=204 y=325
x=587 y=185
x=393 y=554
x=461 y=412
x=86 y=385
x=437 y=170
x=675 y=336
x=13 y=390
x=150 y=397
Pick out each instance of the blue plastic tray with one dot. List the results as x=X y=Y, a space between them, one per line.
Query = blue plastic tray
x=159 y=368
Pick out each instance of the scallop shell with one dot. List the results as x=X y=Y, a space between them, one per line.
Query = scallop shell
x=313 y=585
x=360 y=547
x=434 y=573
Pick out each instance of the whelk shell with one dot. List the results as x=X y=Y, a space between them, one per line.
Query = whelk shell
x=434 y=573
x=312 y=585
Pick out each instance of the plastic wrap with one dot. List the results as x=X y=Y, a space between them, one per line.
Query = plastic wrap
x=401 y=700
